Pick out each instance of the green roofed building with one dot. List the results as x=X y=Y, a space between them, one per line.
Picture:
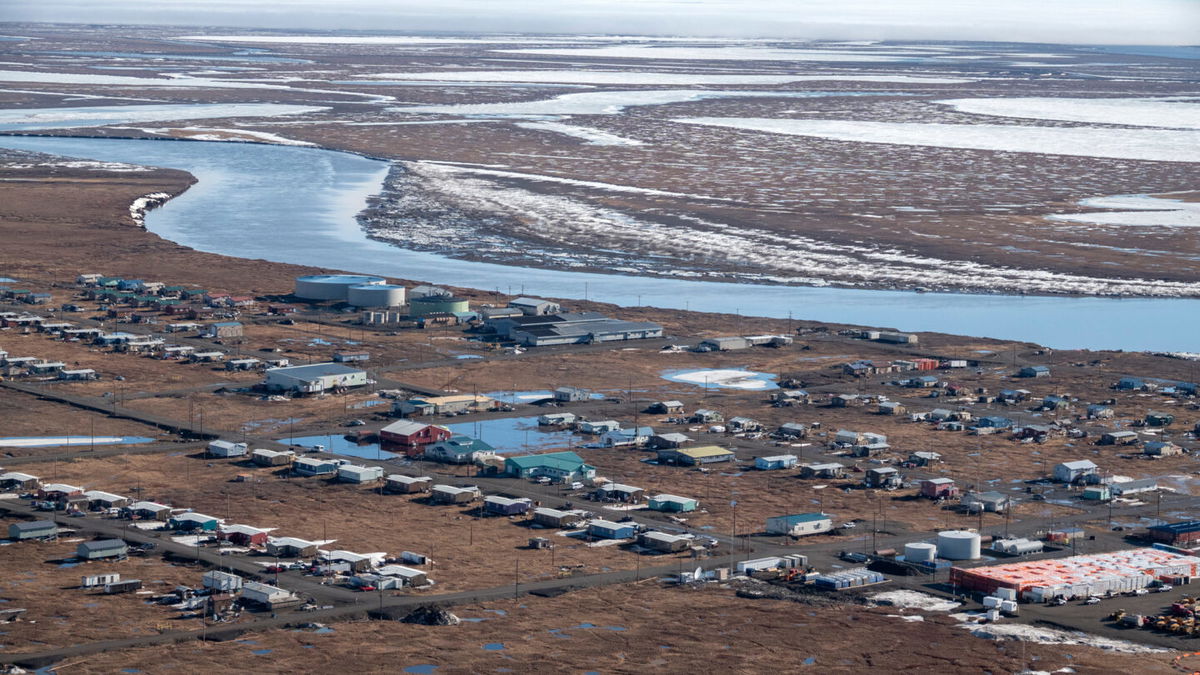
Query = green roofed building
x=563 y=466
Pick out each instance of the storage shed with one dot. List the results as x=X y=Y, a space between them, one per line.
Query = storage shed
x=547 y=517
x=101 y=549
x=398 y=484
x=450 y=494
x=221 y=448
x=665 y=543
x=36 y=529
x=776 y=462
x=352 y=473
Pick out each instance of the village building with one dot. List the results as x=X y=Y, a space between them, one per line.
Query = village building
x=672 y=504
x=776 y=462
x=413 y=434
x=800 y=524
x=606 y=529
x=268 y=458
x=36 y=529
x=102 y=549
x=547 y=517
x=571 y=395
x=668 y=440
x=504 y=506
x=884 y=478
x=314 y=466
x=989 y=502
x=458 y=449
x=564 y=466
x=707 y=454
x=665 y=543
x=352 y=473
x=1076 y=471
x=221 y=448
x=314 y=379
x=666 y=408
x=823 y=470
x=243 y=535
x=398 y=484
x=291 y=547
x=938 y=488
x=616 y=492
x=450 y=494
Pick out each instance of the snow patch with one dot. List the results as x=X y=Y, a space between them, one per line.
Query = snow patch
x=52 y=118
x=589 y=135
x=631 y=77
x=605 y=102
x=139 y=207
x=1136 y=211
x=1142 y=144
x=1054 y=636
x=914 y=600
x=1172 y=113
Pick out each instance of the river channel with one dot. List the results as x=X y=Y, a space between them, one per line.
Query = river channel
x=298 y=205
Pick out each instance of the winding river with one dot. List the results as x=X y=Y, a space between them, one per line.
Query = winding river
x=298 y=205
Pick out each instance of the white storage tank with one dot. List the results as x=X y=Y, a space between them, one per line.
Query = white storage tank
x=375 y=295
x=331 y=286
x=920 y=552
x=958 y=545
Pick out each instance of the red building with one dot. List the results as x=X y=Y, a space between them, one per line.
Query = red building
x=937 y=488
x=927 y=364
x=243 y=535
x=413 y=434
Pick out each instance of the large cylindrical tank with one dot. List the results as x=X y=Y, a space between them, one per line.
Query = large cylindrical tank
x=375 y=295
x=958 y=545
x=434 y=304
x=920 y=552
x=331 y=286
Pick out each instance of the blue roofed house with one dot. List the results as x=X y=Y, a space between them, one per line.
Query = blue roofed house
x=1129 y=383
x=993 y=422
x=564 y=466
x=606 y=529
x=458 y=449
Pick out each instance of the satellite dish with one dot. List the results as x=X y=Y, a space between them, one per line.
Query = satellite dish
x=699 y=574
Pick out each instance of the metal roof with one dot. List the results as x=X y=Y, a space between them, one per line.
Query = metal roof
x=803 y=518
x=314 y=371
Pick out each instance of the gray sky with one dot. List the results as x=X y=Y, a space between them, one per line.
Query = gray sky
x=1160 y=22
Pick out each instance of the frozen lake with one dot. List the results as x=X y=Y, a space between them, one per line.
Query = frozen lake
x=297 y=205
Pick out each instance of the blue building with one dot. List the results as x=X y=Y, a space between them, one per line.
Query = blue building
x=606 y=529
x=994 y=422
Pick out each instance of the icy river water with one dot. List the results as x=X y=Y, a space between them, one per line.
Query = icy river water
x=298 y=205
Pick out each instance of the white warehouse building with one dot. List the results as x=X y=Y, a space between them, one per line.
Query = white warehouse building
x=315 y=378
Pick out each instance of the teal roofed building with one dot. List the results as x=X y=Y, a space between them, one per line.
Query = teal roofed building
x=458 y=449
x=563 y=466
